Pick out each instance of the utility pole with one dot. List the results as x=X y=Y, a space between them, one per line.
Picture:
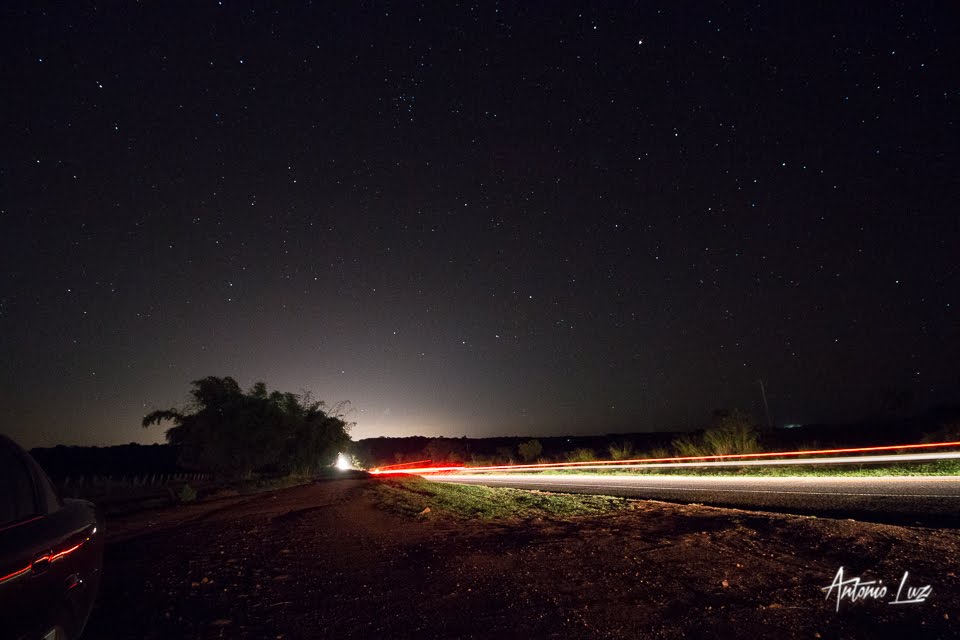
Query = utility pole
x=766 y=407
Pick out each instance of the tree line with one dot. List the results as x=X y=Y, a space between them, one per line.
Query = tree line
x=730 y=432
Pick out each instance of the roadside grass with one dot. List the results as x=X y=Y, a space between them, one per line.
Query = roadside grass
x=410 y=496
x=935 y=468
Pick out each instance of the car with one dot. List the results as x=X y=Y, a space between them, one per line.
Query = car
x=51 y=553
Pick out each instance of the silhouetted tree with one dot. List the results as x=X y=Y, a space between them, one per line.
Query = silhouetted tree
x=228 y=431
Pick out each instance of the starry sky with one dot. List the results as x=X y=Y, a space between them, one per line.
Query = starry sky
x=477 y=219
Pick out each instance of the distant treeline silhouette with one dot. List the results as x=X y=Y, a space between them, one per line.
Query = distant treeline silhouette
x=730 y=431
x=940 y=423
x=122 y=460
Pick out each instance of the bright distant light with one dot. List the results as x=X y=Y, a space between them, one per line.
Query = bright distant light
x=343 y=462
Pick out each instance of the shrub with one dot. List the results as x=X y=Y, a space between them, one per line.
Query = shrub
x=688 y=446
x=582 y=455
x=186 y=494
x=949 y=432
x=658 y=452
x=732 y=433
x=530 y=450
x=621 y=451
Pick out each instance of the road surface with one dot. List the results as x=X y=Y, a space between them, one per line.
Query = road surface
x=924 y=500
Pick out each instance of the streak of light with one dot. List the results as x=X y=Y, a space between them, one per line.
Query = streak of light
x=653 y=483
x=50 y=557
x=422 y=470
x=778 y=458
x=403 y=464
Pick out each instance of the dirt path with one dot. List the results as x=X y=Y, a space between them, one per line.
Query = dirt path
x=322 y=561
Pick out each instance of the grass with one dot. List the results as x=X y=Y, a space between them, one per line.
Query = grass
x=411 y=495
x=935 y=468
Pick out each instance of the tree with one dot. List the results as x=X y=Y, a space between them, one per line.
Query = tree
x=316 y=434
x=529 y=450
x=228 y=431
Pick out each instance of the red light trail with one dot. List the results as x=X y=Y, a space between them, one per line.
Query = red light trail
x=403 y=464
x=51 y=558
x=747 y=459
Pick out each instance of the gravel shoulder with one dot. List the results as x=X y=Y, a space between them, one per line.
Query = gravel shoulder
x=327 y=560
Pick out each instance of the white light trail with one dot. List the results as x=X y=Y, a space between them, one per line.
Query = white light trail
x=894 y=458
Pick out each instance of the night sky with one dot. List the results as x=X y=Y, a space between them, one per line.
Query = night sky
x=477 y=218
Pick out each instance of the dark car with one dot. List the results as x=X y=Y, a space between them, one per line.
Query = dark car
x=51 y=553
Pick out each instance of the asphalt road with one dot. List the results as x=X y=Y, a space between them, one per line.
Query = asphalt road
x=922 y=500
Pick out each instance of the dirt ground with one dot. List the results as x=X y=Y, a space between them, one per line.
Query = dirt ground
x=324 y=561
